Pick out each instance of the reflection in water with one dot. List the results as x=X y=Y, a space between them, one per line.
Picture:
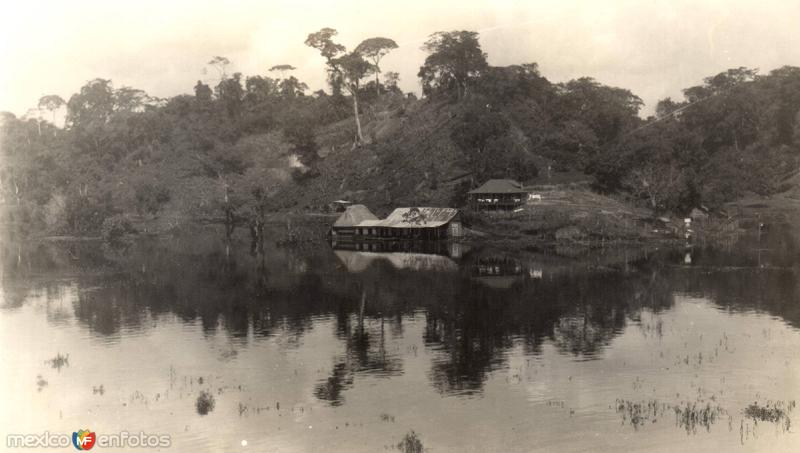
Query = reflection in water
x=478 y=314
x=365 y=352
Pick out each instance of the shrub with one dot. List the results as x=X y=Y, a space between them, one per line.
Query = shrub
x=205 y=403
x=411 y=443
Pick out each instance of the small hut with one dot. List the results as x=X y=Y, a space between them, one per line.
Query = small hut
x=496 y=195
x=339 y=205
x=354 y=215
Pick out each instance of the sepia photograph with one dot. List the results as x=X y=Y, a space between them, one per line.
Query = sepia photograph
x=402 y=227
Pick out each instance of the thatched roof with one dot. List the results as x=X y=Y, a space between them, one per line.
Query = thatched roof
x=354 y=215
x=499 y=186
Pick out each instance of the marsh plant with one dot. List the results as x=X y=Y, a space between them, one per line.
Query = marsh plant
x=205 y=403
x=59 y=361
x=411 y=443
x=773 y=412
x=690 y=416
x=687 y=415
x=639 y=412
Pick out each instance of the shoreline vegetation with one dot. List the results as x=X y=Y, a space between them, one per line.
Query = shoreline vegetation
x=566 y=215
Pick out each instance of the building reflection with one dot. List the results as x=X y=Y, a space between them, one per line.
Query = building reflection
x=476 y=307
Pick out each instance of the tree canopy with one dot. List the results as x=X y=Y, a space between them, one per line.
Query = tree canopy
x=240 y=144
x=454 y=62
x=374 y=49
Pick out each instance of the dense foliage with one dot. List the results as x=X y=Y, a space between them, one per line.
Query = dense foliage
x=122 y=151
x=225 y=151
x=735 y=134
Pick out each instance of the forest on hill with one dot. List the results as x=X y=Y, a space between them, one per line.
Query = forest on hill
x=255 y=144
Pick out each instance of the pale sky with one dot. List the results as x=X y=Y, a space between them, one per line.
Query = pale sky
x=654 y=48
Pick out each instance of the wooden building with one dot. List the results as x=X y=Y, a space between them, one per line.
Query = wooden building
x=497 y=195
x=402 y=224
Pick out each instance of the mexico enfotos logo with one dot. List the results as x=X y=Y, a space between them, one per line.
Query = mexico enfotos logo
x=86 y=439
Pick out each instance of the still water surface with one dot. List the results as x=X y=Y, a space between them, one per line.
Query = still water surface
x=312 y=349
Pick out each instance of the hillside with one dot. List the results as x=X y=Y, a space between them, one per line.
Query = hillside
x=410 y=159
x=259 y=147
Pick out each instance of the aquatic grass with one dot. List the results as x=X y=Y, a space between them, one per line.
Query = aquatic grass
x=691 y=416
x=777 y=413
x=638 y=413
x=411 y=443
x=205 y=403
x=59 y=361
x=687 y=415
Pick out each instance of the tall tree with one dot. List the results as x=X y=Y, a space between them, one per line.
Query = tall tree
x=282 y=69
x=352 y=67
x=343 y=70
x=454 y=62
x=220 y=64
x=374 y=49
x=51 y=103
x=323 y=42
x=93 y=104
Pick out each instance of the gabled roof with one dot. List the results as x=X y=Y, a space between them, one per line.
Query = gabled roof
x=418 y=218
x=499 y=186
x=353 y=215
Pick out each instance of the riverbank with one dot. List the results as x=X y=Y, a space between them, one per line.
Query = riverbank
x=568 y=214
x=565 y=214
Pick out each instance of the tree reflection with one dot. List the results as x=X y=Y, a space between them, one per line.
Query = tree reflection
x=573 y=305
x=365 y=353
x=579 y=314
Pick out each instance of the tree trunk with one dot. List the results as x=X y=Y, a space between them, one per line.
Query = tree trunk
x=359 y=136
x=377 y=84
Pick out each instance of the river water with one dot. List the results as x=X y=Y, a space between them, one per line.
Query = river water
x=307 y=348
